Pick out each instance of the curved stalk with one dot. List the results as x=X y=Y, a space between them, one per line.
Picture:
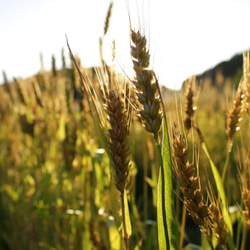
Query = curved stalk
x=225 y=167
x=183 y=224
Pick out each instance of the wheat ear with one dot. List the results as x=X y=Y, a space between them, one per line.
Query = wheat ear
x=246 y=212
x=118 y=133
x=107 y=20
x=246 y=78
x=189 y=183
x=189 y=106
x=219 y=227
x=234 y=116
x=244 y=175
x=145 y=85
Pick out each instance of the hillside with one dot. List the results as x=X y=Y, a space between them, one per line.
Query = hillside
x=230 y=70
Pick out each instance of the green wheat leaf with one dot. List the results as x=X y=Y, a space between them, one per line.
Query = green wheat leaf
x=166 y=216
x=160 y=217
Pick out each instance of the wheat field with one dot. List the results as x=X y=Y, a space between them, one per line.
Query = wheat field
x=94 y=159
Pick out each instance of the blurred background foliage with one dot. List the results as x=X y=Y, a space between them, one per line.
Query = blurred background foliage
x=54 y=185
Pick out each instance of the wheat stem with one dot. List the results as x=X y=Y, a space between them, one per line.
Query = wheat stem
x=160 y=190
x=243 y=240
x=126 y=238
x=183 y=224
x=225 y=167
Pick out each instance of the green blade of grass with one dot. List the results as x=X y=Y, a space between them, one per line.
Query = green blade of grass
x=165 y=196
x=166 y=226
x=169 y=197
x=161 y=216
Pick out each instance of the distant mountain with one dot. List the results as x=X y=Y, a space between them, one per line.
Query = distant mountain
x=227 y=70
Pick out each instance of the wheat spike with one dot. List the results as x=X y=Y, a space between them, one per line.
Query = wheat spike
x=37 y=92
x=145 y=85
x=189 y=106
x=234 y=115
x=189 y=183
x=118 y=136
x=7 y=87
x=64 y=68
x=246 y=199
x=20 y=91
x=244 y=179
x=54 y=71
x=107 y=20
x=246 y=79
x=218 y=225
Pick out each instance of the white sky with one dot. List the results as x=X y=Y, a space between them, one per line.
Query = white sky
x=186 y=37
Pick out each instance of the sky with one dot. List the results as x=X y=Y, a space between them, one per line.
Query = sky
x=185 y=37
